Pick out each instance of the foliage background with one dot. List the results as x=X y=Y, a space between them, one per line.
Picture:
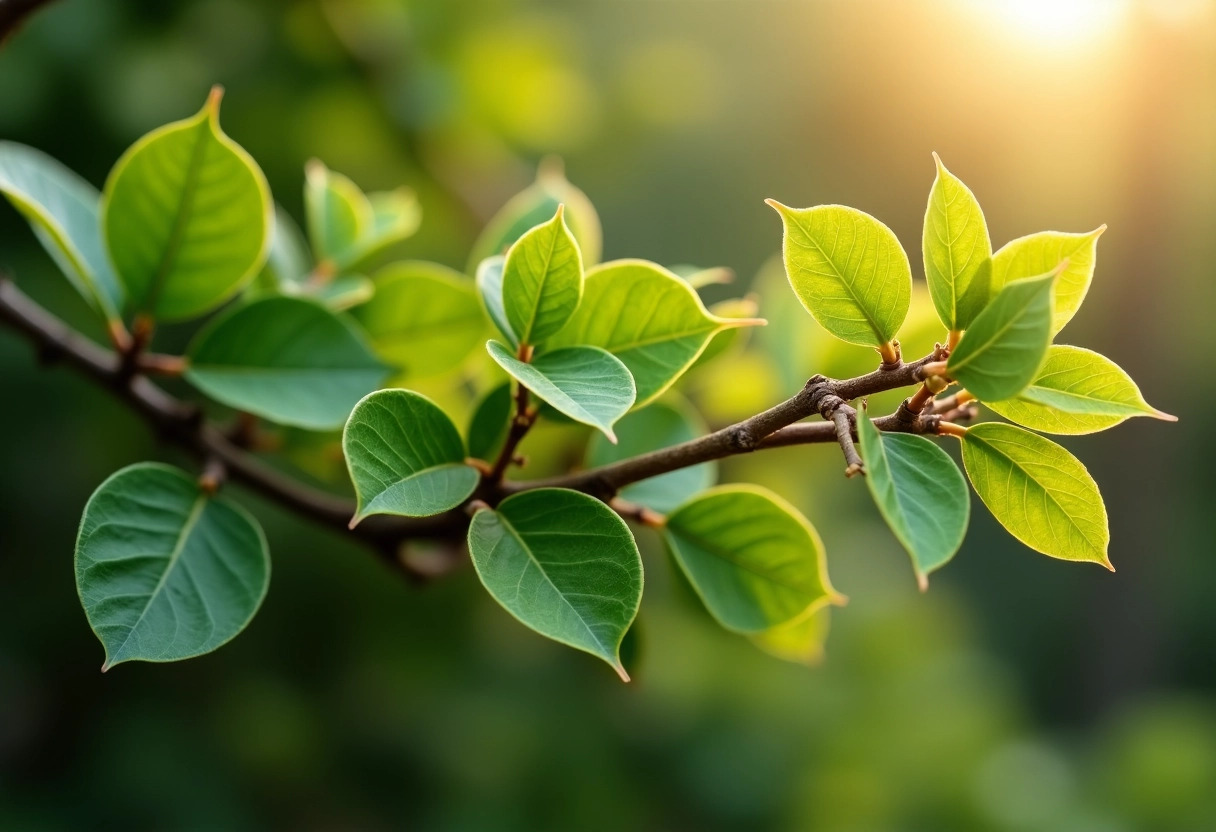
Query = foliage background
x=1019 y=693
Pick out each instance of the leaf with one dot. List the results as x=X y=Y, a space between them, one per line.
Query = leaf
x=1004 y=347
x=187 y=217
x=405 y=457
x=289 y=360
x=1077 y=391
x=542 y=281
x=338 y=212
x=62 y=208
x=920 y=493
x=425 y=318
x=699 y=278
x=656 y=426
x=849 y=271
x=490 y=421
x=287 y=263
x=741 y=309
x=1038 y=491
x=565 y=565
x=957 y=251
x=396 y=216
x=1041 y=253
x=535 y=205
x=801 y=641
x=648 y=318
x=489 y=287
x=754 y=560
x=344 y=292
x=585 y=383
x=166 y=571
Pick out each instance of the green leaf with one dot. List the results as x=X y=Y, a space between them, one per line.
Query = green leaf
x=1038 y=491
x=490 y=421
x=754 y=560
x=1077 y=391
x=290 y=360
x=699 y=278
x=849 y=271
x=287 y=263
x=166 y=571
x=62 y=209
x=659 y=425
x=187 y=217
x=1004 y=347
x=801 y=641
x=585 y=383
x=565 y=565
x=396 y=216
x=343 y=292
x=425 y=318
x=405 y=457
x=339 y=214
x=535 y=205
x=743 y=310
x=920 y=493
x=957 y=251
x=542 y=281
x=489 y=287
x=648 y=318
x=1041 y=253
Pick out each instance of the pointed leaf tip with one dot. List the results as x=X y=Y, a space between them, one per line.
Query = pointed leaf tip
x=620 y=671
x=213 y=100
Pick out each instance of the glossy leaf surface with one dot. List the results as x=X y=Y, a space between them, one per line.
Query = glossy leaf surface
x=542 y=281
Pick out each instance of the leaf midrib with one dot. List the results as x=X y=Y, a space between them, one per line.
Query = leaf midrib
x=840 y=276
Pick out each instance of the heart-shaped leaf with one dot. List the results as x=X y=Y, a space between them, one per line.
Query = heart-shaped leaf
x=587 y=384
x=849 y=271
x=1003 y=349
x=754 y=560
x=1037 y=254
x=542 y=280
x=63 y=209
x=1038 y=491
x=186 y=216
x=165 y=570
x=920 y=493
x=648 y=318
x=565 y=565
x=405 y=457
x=1077 y=391
x=290 y=360
x=957 y=251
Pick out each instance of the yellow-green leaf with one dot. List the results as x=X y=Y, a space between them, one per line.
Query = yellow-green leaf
x=1040 y=253
x=542 y=281
x=801 y=641
x=957 y=250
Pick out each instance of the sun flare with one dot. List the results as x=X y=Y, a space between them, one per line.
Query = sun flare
x=1054 y=22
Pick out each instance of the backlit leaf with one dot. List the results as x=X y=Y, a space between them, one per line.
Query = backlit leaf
x=348 y=227
x=1040 y=253
x=801 y=641
x=542 y=281
x=166 y=571
x=564 y=564
x=1038 y=491
x=957 y=251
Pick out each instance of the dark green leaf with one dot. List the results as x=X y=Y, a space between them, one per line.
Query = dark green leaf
x=489 y=423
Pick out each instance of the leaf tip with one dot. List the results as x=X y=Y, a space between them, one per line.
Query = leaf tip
x=780 y=208
x=937 y=161
x=1106 y=562
x=1099 y=231
x=608 y=432
x=620 y=671
x=1162 y=415
x=213 y=101
x=354 y=521
x=922 y=581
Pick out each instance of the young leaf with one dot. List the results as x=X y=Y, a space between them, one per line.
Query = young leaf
x=186 y=216
x=338 y=212
x=849 y=271
x=754 y=560
x=535 y=205
x=425 y=318
x=648 y=318
x=656 y=426
x=405 y=457
x=343 y=292
x=565 y=565
x=801 y=641
x=1038 y=491
x=1040 y=253
x=542 y=280
x=396 y=215
x=1077 y=391
x=490 y=421
x=290 y=360
x=585 y=383
x=166 y=571
x=489 y=287
x=62 y=209
x=1004 y=347
x=920 y=493
x=957 y=251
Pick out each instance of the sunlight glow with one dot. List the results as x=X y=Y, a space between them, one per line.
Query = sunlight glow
x=1056 y=22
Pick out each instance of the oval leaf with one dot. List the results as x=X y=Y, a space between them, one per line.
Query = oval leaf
x=424 y=319
x=490 y=421
x=1038 y=491
x=957 y=251
x=187 y=217
x=1001 y=352
x=290 y=360
x=849 y=271
x=1077 y=391
x=489 y=287
x=648 y=318
x=1040 y=253
x=754 y=560
x=587 y=384
x=542 y=281
x=166 y=571
x=565 y=565
x=920 y=493
x=348 y=227
x=405 y=457
x=63 y=209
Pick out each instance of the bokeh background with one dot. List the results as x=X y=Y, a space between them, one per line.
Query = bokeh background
x=1019 y=693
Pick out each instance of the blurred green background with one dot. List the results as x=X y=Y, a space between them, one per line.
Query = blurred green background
x=1020 y=693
